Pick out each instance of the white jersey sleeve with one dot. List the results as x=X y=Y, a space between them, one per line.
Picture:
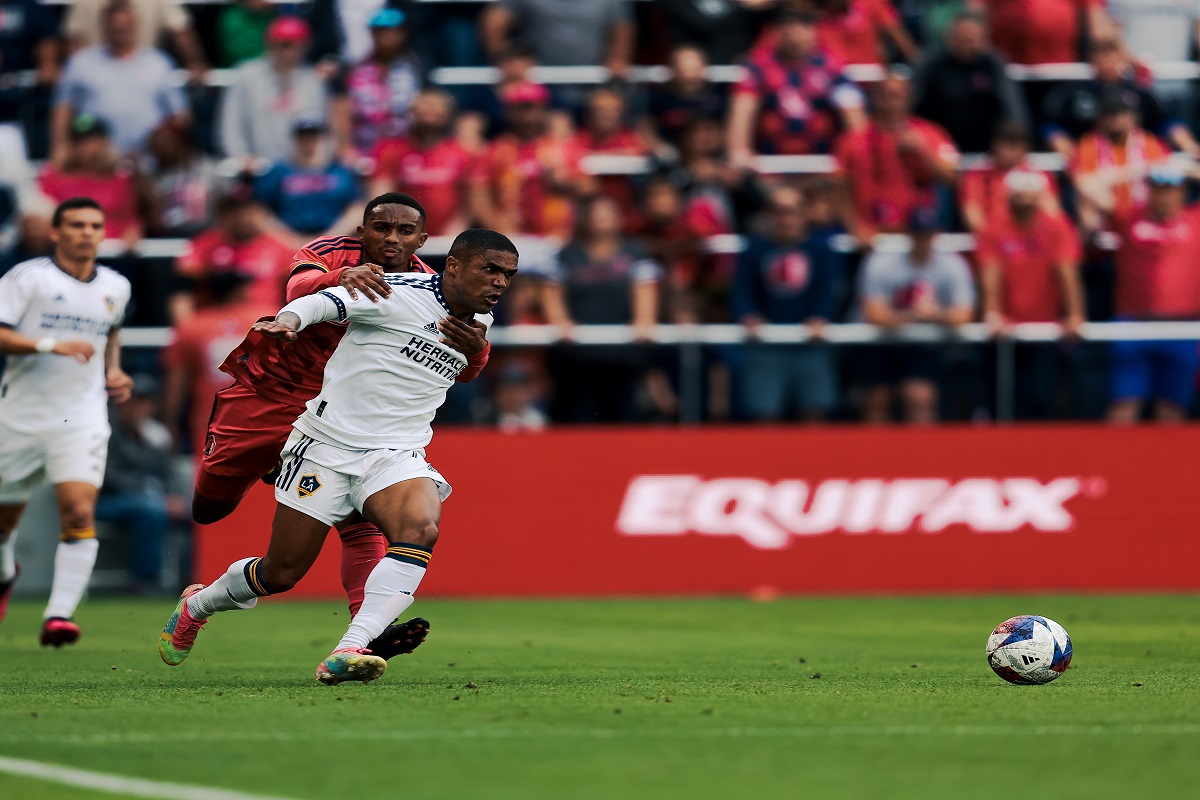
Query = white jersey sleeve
x=16 y=294
x=329 y=305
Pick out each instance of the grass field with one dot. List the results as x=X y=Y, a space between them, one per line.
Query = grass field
x=830 y=698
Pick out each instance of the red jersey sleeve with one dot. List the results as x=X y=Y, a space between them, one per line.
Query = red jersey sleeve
x=309 y=280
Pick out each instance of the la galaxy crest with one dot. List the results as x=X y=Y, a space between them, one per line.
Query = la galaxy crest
x=110 y=303
x=308 y=485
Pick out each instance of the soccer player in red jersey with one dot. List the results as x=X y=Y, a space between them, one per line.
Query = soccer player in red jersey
x=252 y=419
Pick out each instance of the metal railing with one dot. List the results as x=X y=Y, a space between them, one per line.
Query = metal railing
x=690 y=339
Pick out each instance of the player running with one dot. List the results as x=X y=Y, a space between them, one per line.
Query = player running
x=56 y=315
x=252 y=419
x=360 y=446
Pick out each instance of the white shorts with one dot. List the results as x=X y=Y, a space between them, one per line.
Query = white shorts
x=329 y=483
x=27 y=460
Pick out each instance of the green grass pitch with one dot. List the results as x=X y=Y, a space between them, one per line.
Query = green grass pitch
x=817 y=698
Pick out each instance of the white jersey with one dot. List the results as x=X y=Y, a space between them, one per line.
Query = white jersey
x=44 y=391
x=390 y=373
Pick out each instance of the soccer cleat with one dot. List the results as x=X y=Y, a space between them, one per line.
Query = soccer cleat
x=399 y=638
x=58 y=631
x=350 y=665
x=6 y=592
x=179 y=636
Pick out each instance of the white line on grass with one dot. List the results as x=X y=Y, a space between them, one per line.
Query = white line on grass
x=119 y=784
x=861 y=731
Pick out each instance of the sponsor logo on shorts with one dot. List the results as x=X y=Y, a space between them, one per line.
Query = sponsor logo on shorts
x=308 y=485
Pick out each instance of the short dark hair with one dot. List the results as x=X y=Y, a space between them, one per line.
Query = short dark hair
x=394 y=198
x=71 y=204
x=475 y=241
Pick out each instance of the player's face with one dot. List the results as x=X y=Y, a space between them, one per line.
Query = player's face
x=79 y=235
x=477 y=284
x=391 y=235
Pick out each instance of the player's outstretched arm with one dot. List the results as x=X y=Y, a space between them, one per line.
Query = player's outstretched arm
x=284 y=326
x=324 y=306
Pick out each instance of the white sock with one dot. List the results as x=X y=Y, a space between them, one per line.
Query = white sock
x=8 y=558
x=73 y=562
x=231 y=590
x=390 y=589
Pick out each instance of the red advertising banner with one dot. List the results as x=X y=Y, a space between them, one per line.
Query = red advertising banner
x=795 y=510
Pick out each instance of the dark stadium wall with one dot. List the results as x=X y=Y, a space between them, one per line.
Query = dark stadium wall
x=786 y=510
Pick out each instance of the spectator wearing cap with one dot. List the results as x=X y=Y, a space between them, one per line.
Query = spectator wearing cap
x=787 y=278
x=1029 y=263
x=373 y=100
x=311 y=193
x=1110 y=165
x=1044 y=31
x=158 y=22
x=793 y=99
x=267 y=95
x=923 y=285
x=563 y=34
x=429 y=163
x=183 y=184
x=964 y=87
x=854 y=31
x=91 y=168
x=126 y=85
x=529 y=178
x=239 y=242
x=1157 y=279
x=138 y=494
x=687 y=95
x=896 y=163
x=982 y=195
x=198 y=345
x=242 y=30
x=1072 y=110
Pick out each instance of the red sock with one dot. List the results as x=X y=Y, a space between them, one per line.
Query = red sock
x=362 y=547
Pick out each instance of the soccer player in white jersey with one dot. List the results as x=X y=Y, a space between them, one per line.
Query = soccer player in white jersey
x=60 y=318
x=360 y=446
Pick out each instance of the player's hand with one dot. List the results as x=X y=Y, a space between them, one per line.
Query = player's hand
x=118 y=384
x=80 y=351
x=468 y=338
x=276 y=330
x=365 y=278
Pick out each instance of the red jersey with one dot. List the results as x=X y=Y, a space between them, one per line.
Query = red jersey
x=116 y=194
x=622 y=143
x=1029 y=257
x=516 y=173
x=199 y=346
x=800 y=101
x=264 y=257
x=1037 y=31
x=886 y=183
x=1157 y=272
x=985 y=188
x=436 y=175
x=853 y=37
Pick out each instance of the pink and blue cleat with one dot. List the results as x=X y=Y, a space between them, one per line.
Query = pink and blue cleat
x=178 y=637
x=350 y=665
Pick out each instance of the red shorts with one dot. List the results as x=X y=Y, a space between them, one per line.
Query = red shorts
x=246 y=434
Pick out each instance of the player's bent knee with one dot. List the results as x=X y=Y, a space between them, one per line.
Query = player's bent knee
x=77 y=514
x=425 y=534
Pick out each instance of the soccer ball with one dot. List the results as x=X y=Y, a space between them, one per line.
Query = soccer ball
x=1029 y=649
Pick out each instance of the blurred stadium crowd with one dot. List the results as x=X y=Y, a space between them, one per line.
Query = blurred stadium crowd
x=245 y=129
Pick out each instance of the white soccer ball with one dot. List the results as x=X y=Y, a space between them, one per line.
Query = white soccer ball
x=1029 y=649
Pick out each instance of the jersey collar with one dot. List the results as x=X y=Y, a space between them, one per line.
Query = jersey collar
x=436 y=283
x=71 y=275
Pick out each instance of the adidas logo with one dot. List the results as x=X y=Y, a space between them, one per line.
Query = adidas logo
x=432 y=327
x=60 y=298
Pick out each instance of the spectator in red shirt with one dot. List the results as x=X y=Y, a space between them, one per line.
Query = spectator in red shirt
x=1044 y=31
x=895 y=163
x=530 y=177
x=1157 y=279
x=852 y=31
x=1029 y=272
x=91 y=169
x=981 y=192
x=197 y=348
x=794 y=99
x=606 y=133
x=239 y=242
x=428 y=163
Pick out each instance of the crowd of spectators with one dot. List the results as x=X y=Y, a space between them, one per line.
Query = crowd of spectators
x=322 y=104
